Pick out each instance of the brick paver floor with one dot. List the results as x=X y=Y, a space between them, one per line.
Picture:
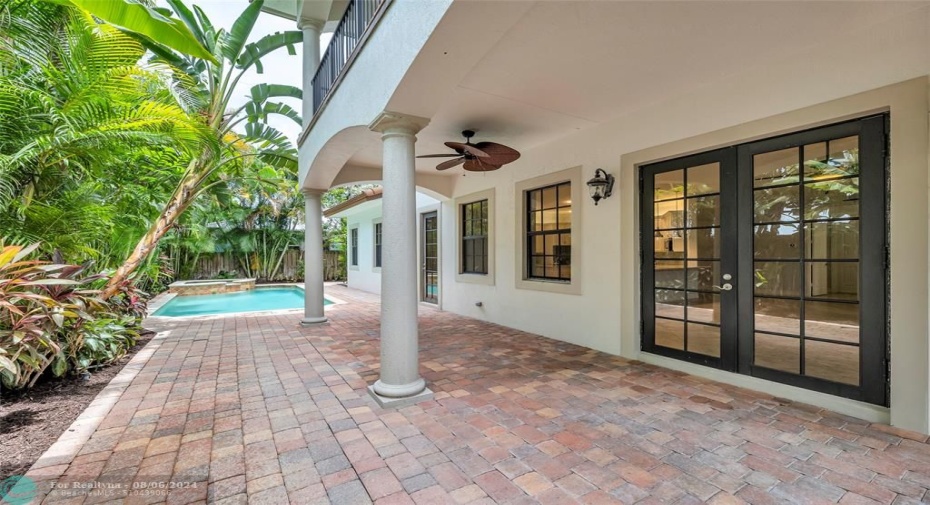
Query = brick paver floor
x=257 y=409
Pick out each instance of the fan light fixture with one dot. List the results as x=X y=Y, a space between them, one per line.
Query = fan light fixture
x=480 y=157
x=601 y=186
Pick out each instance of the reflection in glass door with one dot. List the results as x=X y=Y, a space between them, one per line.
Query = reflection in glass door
x=754 y=258
x=689 y=263
x=430 y=256
x=817 y=220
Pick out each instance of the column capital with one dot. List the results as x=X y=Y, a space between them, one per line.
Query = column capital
x=395 y=122
x=316 y=24
x=312 y=192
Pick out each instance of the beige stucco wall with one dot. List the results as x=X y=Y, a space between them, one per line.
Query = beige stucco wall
x=848 y=77
x=910 y=353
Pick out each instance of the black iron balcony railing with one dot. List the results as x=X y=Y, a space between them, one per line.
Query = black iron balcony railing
x=348 y=36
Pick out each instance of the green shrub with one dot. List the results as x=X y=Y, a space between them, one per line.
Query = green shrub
x=50 y=319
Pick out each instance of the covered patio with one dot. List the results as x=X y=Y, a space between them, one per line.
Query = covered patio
x=258 y=409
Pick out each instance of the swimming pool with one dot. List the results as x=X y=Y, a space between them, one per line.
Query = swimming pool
x=254 y=300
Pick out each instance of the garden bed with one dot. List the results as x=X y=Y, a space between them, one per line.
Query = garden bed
x=31 y=421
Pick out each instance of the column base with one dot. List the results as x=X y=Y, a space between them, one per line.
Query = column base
x=396 y=403
x=311 y=321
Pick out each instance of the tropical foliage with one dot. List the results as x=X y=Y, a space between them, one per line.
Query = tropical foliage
x=205 y=88
x=102 y=143
x=52 y=319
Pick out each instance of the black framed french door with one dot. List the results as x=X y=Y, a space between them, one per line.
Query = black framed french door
x=689 y=258
x=429 y=281
x=756 y=258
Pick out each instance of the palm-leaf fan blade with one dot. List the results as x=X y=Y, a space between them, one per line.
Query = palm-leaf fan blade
x=445 y=165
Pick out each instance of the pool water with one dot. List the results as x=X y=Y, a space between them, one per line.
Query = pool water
x=254 y=300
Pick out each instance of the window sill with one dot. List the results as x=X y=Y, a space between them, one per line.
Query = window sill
x=486 y=279
x=550 y=285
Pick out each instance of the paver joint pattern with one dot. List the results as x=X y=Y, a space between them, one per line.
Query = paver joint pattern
x=256 y=409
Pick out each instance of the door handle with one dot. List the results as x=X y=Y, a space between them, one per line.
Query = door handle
x=725 y=287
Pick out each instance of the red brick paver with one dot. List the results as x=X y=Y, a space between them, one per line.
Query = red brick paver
x=257 y=409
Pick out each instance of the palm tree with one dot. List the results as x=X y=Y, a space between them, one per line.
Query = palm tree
x=77 y=113
x=205 y=88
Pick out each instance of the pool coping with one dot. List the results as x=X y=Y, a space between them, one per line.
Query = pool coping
x=161 y=299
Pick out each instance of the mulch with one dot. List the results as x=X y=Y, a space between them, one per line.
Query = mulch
x=32 y=420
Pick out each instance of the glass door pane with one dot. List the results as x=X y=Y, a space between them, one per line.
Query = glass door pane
x=430 y=257
x=687 y=206
x=793 y=333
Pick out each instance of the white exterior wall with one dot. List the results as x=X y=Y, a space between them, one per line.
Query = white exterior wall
x=605 y=316
x=884 y=67
x=366 y=276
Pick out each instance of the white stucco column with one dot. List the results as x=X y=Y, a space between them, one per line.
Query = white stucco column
x=313 y=257
x=311 y=61
x=400 y=377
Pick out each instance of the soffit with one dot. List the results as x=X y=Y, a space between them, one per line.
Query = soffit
x=559 y=67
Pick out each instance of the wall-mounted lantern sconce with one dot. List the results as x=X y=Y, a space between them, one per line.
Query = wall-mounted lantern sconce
x=601 y=185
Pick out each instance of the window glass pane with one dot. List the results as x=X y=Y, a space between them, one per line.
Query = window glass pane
x=669 y=214
x=833 y=280
x=670 y=333
x=537 y=221
x=703 y=211
x=834 y=199
x=777 y=167
x=776 y=204
x=565 y=272
x=549 y=197
x=565 y=195
x=537 y=266
x=778 y=278
x=565 y=218
x=550 y=219
x=832 y=240
x=704 y=179
x=669 y=244
x=670 y=303
x=704 y=339
x=778 y=353
x=776 y=315
x=703 y=243
x=468 y=208
x=563 y=253
x=703 y=275
x=669 y=185
x=843 y=160
x=704 y=307
x=670 y=274
x=777 y=241
x=833 y=362
x=538 y=245
x=535 y=200
x=832 y=321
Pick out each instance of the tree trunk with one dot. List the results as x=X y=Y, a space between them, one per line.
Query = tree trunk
x=179 y=202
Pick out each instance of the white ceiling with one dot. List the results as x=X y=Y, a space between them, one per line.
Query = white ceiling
x=561 y=66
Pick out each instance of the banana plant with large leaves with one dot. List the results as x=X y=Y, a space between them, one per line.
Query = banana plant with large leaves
x=136 y=17
x=206 y=88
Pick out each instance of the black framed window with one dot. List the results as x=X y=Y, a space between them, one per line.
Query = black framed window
x=475 y=237
x=353 y=246
x=377 y=245
x=549 y=232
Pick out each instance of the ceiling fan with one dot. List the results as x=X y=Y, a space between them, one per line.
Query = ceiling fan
x=480 y=157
